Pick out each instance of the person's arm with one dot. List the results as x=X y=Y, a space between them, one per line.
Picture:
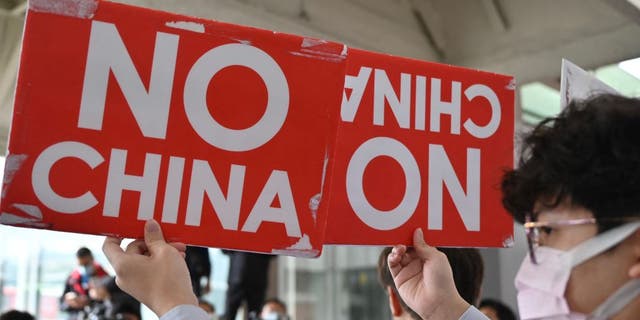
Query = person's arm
x=72 y=299
x=187 y=311
x=425 y=282
x=473 y=314
x=64 y=305
x=155 y=273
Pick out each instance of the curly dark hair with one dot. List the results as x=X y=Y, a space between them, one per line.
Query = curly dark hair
x=16 y=315
x=502 y=310
x=589 y=155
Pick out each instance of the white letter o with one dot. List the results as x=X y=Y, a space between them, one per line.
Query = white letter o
x=374 y=218
x=195 y=97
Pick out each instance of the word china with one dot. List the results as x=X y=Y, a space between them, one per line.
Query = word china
x=400 y=102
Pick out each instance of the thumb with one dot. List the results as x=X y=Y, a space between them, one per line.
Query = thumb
x=423 y=250
x=153 y=234
x=418 y=238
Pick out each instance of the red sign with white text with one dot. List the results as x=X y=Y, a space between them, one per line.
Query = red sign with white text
x=421 y=145
x=239 y=138
x=213 y=129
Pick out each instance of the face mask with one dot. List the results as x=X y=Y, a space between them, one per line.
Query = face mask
x=213 y=316
x=274 y=316
x=88 y=270
x=541 y=286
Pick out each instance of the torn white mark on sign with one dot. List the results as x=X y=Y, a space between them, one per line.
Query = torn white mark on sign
x=29 y=209
x=345 y=49
x=320 y=56
x=508 y=242
x=11 y=219
x=84 y=9
x=309 y=42
x=13 y=163
x=314 y=204
x=296 y=253
x=186 y=25
x=302 y=248
x=245 y=42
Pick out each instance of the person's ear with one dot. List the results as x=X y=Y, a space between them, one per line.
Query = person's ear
x=394 y=302
x=634 y=271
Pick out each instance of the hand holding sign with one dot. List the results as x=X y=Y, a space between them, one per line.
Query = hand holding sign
x=424 y=280
x=152 y=271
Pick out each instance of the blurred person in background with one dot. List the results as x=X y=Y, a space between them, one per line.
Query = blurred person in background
x=199 y=265
x=111 y=301
x=496 y=310
x=248 y=280
x=75 y=297
x=468 y=271
x=273 y=309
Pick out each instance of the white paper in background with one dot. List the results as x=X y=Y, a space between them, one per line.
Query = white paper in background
x=576 y=83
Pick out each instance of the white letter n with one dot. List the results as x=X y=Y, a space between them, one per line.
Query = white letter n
x=203 y=182
x=441 y=172
x=108 y=53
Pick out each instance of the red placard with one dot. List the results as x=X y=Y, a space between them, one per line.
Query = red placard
x=240 y=138
x=218 y=131
x=424 y=145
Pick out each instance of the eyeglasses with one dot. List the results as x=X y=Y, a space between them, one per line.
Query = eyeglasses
x=535 y=229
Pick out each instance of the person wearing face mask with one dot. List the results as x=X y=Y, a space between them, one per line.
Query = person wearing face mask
x=577 y=191
x=75 y=297
x=273 y=309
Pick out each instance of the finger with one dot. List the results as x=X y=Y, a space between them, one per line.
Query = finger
x=179 y=246
x=422 y=249
x=418 y=238
x=396 y=254
x=399 y=250
x=136 y=247
x=153 y=235
x=112 y=250
x=411 y=252
x=406 y=259
x=394 y=258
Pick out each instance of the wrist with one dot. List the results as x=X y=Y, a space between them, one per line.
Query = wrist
x=168 y=304
x=448 y=309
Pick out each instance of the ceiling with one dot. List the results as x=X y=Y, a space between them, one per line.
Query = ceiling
x=523 y=38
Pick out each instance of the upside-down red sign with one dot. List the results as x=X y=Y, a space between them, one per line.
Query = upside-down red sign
x=247 y=139
x=420 y=145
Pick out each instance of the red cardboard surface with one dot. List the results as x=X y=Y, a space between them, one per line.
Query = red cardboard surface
x=239 y=138
x=420 y=146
